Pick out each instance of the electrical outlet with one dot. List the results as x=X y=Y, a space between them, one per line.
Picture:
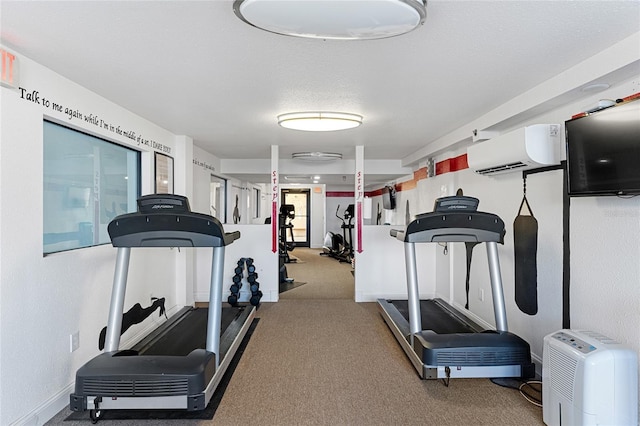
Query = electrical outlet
x=481 y=294
x=74 y=341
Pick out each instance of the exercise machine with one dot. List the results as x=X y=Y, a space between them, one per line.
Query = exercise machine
x=179 y=365
x=287 y=243
x=440 y=341
x=347 y=233
x=282 y=267
x=338 y=246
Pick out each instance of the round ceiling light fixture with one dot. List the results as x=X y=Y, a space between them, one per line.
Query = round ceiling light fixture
x=316 y=157
x=595 y=87
x=319 y=121
x=333 y=19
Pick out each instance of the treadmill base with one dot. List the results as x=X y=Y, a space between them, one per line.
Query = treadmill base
x=129 y=381
x=459 y=355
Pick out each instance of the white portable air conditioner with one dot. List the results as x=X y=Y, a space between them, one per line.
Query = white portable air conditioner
x=526 y=148
x=588 y=379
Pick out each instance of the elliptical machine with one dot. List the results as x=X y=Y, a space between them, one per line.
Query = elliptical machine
x=338 y=246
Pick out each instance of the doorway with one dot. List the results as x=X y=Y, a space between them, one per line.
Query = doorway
x=218 y=198
x=301 y=200
x=313 y=276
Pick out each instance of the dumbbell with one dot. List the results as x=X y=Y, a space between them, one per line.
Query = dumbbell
x=252 y=278
x=254 y=287
x=235 y=288
x=233 y=300
x=255 y=298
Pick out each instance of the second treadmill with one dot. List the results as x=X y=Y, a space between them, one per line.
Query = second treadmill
x=440 y=341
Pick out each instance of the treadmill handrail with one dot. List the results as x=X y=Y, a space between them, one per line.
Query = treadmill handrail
x=169 y=229
x=453 y=227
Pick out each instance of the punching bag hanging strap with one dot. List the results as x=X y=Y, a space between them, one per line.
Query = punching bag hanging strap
x=525 y=243
x=469 y=247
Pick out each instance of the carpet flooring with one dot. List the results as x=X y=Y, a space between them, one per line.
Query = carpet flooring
x=319 y=358
x=286 y=286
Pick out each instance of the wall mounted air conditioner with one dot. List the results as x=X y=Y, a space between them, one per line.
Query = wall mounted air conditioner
x=530 y=147
x=588 y=379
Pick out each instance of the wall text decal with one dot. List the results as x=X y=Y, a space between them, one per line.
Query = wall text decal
x=74 y=114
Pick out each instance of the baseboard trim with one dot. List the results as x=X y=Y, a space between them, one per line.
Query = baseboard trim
x=47 y=410
x=53 y=405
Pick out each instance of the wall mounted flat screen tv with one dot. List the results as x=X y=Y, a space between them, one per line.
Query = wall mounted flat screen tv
x=388 y=198
x=603 y=152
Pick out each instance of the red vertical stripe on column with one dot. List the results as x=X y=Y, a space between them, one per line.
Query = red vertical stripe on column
x=274 y=227
x=359 y=225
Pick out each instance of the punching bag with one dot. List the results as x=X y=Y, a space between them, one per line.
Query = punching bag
x=525 y=243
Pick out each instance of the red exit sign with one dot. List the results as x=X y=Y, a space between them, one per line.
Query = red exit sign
x=9 y=76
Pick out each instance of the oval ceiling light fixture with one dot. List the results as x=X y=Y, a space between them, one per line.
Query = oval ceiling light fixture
x=319 y=121
x=595 y=87
x=333 y=19
x=316 y=156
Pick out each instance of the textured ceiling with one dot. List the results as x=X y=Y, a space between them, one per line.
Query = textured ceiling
x=195 y=69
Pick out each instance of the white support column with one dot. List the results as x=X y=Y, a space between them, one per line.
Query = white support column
x=183 y=185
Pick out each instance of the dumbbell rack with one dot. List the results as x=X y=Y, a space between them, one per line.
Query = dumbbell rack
x=252 y=279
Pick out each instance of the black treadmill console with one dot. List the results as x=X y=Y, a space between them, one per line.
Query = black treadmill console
x=456 y=203
x=166 y=220
x=155 y=203
x=454 y=219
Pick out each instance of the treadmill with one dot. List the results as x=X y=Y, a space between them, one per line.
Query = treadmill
x=180 y=364
x=440 y=341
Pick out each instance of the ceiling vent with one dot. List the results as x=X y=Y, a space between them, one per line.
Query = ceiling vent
x=526 y=148
x=316 y=156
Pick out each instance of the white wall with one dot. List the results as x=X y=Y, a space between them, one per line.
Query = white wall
x=45 y=299
x=204 y=165
x=380 y=268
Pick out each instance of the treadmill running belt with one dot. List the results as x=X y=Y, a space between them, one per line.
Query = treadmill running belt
x=188 y=334
x=434 y=317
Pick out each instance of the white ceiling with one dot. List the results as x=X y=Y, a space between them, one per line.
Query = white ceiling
x=195 y=69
